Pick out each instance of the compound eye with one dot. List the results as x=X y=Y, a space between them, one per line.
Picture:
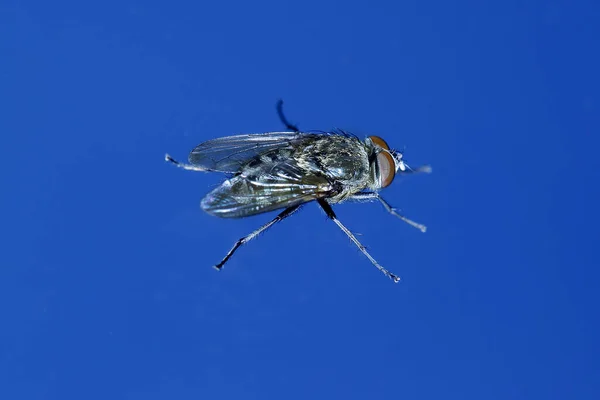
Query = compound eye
x=387 y=168
x=379 y=142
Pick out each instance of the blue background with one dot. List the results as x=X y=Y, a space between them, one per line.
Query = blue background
x=106 y=285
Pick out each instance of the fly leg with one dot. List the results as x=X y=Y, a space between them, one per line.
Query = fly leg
x=284 y=214
x=283 y=119
x=188 y=167
x=369 y=196
x=329 y=211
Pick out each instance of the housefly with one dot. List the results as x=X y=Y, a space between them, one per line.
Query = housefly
x=284 y=170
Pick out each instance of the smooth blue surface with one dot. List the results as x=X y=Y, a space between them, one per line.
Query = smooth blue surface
x=106 y=285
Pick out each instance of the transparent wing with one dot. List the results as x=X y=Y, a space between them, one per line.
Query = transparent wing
x=271 y=186
x=227 y=154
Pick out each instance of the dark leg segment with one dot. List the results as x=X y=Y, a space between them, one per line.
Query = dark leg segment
x=329 y=211
x=283 y=119
x=284 y=214
x=189 y=167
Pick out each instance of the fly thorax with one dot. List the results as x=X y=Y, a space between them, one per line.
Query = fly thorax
x=345 y=160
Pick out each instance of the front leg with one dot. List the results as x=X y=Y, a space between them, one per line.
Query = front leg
x=370 y=196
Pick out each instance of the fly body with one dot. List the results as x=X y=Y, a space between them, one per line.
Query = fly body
x=284 y=170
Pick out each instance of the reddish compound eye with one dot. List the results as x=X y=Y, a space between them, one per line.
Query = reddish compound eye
x=387 y=168
x=379 y=142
